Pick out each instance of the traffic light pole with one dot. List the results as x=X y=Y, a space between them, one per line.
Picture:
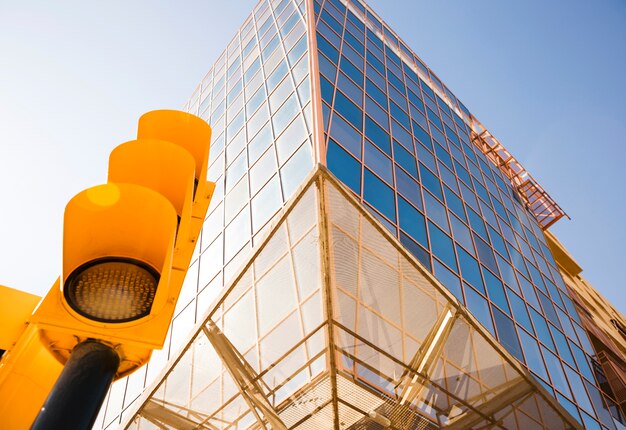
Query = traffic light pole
x=77 y=395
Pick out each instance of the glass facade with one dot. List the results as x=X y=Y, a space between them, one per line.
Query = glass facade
x=404 y=144
x=367 y=107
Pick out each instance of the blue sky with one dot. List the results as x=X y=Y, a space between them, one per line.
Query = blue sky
x=545 y=77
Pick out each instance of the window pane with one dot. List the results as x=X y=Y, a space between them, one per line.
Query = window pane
x=420 y=253
x=379 y=195
x=442 y=245
x=436 y=211
x=291 y=140
x=507 y=334
x=344 y=166
x=285 y=114
x=448 y=279
x=430 y=182
x=260 y=143
x=346 y=135
x=479 y=306
x=262 y=171
x=378 y=162
x=520 y=311
x=377 y=135
x=348 y=110
x=533 y=356
x=296 y=169
x=236 y=234
x=408 y=188
x=266 y=203
x=470 y=269
x=496 y=291
x=412 y=221
x=405 y=159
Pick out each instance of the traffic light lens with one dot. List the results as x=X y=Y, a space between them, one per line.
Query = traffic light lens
x=112 y=290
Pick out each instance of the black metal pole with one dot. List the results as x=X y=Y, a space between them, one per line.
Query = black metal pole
x=77 y=395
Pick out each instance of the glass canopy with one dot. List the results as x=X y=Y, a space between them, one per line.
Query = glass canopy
x=332 y=324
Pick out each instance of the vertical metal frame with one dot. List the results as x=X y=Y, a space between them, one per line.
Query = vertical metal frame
x=329 y=311
x=319 y=149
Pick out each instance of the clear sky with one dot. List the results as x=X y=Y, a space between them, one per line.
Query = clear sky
x=547 y=78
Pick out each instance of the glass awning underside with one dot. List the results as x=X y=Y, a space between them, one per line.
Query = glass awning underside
x=331 y=324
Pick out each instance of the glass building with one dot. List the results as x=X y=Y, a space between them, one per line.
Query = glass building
x=605 y=325
x=372 y=258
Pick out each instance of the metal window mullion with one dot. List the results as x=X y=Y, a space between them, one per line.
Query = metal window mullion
x=326 y=266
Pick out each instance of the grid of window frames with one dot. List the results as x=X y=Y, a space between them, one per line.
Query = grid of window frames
x=407 y=154
x=257 y=99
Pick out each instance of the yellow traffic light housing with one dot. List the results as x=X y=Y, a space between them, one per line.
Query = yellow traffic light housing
x=127 y=244
x=192 y=134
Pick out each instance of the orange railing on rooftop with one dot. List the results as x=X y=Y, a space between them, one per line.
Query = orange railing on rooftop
x=546 y=210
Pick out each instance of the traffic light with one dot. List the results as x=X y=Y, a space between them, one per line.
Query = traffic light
x=126 y=248
x=15 y=310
